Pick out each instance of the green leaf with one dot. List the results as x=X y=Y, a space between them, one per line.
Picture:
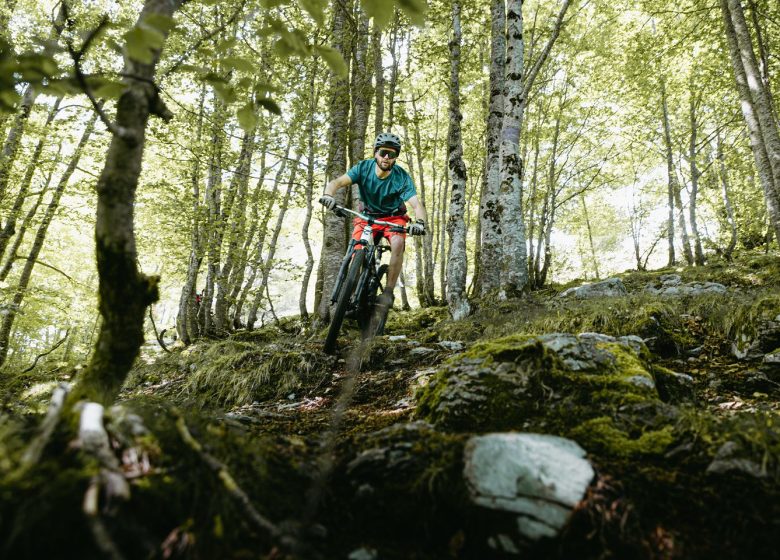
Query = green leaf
x=292 y=42
x=246 y=117
x=8 y=99
x=270 y=105
x=160 y=22
x=333 y=59
x=265 y=87
x=226 y=45
x=315 y=8
x=380 y=10
x=141 y=42
x=268 y=4
x=239 y=63
x=415 y=10
x=224 y=92
x=109 y=89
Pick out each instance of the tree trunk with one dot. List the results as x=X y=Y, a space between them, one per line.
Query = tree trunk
x=671 y=177
x=724 y=183
x=187 y=318
x=12 y=254
x=490 y=211
x=761 y=98
x=334 y=240
x=457 y=263
x=235 y=237
x=213 y=204
x=40 y=237
x=14 y=138
x=514 y=260
x=593 y=253
x=379 y=81
x=269 y=259
x=256 y=265
x=313 y=102
x=695 y=173
x=13 y=214
x=764 y=56
x=763 y=163
x=125 y=293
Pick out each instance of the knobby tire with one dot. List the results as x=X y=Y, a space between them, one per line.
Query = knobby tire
x=342 y=302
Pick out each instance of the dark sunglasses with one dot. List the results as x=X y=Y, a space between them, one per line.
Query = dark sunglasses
x=388 y=154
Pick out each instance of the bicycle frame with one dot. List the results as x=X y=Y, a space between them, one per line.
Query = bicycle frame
x=370 y=248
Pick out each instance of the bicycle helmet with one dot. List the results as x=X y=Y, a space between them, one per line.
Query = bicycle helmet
x=388 y=140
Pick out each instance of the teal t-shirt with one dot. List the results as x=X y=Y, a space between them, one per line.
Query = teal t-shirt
x=382 y=195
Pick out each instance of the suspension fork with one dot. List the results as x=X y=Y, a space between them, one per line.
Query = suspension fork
x=343 y=270
x=368 y=271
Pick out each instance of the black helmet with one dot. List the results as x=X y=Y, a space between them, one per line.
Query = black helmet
x=387 y=140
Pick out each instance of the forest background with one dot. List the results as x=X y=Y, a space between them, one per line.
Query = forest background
x=634 y=140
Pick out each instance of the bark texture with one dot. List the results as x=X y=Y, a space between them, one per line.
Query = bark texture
x=334 y=236
x=124 y=291
x=490 y=212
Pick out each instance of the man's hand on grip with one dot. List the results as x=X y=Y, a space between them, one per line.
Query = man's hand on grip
x=328 y=201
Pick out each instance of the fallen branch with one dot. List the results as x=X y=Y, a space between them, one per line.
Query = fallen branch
x=52 y=349
x=102 y=538
x=217 y=466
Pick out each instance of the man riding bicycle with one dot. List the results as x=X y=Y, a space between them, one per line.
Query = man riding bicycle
x=384 y=189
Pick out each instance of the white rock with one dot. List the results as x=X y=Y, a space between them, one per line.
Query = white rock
x=540 y=477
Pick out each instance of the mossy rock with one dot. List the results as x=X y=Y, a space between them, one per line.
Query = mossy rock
x=553 y=384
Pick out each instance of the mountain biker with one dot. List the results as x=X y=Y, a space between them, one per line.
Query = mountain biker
x=385 y=188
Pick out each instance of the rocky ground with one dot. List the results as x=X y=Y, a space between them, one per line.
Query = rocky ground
x=634 y=418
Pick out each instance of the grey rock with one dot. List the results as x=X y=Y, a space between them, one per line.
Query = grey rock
x=452 y=345
x=363 y=554
x=421 y=351
x=641 y=381
x=611 y=287
x=539 y=478
x=671 y=285
x=727 y=460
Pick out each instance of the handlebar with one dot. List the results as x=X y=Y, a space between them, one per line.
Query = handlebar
x=343 y=212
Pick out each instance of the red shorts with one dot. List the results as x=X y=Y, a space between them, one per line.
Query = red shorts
x=379 y=230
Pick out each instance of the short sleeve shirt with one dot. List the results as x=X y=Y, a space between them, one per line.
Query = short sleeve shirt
x=382 y=195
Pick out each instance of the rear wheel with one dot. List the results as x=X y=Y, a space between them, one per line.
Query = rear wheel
x=342 y=302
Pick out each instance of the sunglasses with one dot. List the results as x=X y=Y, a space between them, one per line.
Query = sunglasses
x=388 y=154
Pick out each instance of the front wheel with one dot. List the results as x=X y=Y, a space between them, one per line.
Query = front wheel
x=374 y=323
x=342 y=302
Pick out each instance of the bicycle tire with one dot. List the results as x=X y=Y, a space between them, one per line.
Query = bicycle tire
x=376 y=289
x=342 y=302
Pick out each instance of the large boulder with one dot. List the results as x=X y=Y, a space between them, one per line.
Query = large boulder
x=596 y=389
x=533 y=480
x=611 y=287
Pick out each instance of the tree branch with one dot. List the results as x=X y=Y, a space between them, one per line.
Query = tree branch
x=52 y=349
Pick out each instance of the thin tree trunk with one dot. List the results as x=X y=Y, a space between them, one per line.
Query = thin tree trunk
x=12 y=253
x=379 y=81
x=761 y=98
x=14 y=138
x=40 y=237
x=257 y=264
x=13 y=214
x=695 y=173
x=764 y=56
x=457 y=263
x=593 y=253
x=334 y=229
x=763 y=163
x=490 y=211
x=269 y=259
x=125 y=293
x=311 y=154
x=724 y=183
x=187 y=318
x=237 y=230
x=671 y=177
x=514 y=260
x=442 y=236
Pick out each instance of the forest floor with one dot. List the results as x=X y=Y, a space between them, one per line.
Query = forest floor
x=295 y=429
